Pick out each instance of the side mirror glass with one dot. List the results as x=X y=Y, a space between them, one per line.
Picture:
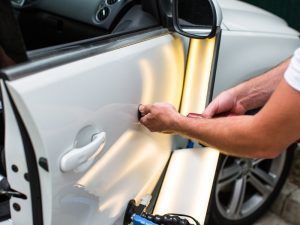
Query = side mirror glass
x=196 y=18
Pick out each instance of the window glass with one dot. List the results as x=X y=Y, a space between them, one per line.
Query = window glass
x=12 y=49
x=46 y=23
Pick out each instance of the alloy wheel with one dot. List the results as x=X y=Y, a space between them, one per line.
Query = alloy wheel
x=243 y=185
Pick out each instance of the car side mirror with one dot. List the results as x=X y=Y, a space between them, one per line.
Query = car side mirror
x=196 y=18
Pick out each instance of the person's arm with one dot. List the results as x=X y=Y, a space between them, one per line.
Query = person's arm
x=248 y=95
x=264 y=135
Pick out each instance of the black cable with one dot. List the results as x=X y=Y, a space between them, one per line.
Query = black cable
x=170 y=219
x=176 y=214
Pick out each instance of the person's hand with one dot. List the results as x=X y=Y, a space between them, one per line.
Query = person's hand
x=225 y=103
x=159 y=117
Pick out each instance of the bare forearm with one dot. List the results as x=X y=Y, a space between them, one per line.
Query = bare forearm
x=256 y=92
x=236 y=136
x=264 y=135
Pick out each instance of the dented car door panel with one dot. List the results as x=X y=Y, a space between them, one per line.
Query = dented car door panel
x=64 y=107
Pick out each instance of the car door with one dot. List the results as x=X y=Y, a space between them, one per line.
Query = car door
x=74 y=147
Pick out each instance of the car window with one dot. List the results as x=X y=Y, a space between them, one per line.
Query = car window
x=12 y=49
x=46 y=23
x=49 y=27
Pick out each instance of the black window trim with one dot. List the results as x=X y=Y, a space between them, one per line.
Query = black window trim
x=63 y=54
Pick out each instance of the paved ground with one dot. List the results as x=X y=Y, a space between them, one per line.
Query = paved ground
x=271 y=219
x=295 y=173
x=286 y=209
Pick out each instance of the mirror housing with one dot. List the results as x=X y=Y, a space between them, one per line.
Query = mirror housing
x=196 y=18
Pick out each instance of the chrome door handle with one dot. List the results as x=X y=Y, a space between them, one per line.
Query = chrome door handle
x=77 y=157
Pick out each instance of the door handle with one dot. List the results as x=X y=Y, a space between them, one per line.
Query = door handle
x=79 y=156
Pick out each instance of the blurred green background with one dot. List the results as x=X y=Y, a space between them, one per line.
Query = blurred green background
x=286 y=9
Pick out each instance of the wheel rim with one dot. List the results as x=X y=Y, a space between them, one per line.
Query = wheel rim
x=245 y=184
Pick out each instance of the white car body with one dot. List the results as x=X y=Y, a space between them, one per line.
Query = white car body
x=258 y=41
x=64 y=106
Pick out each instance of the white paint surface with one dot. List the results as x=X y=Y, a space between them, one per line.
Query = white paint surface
x=101 y=92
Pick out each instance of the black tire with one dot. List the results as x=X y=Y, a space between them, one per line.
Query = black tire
x=226 y=211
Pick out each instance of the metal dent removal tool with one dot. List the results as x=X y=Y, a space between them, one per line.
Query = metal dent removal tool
x=136 y=214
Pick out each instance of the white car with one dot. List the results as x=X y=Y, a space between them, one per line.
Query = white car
x=73 y=151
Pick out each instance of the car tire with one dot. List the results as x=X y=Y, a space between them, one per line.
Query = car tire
x=246 y=188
